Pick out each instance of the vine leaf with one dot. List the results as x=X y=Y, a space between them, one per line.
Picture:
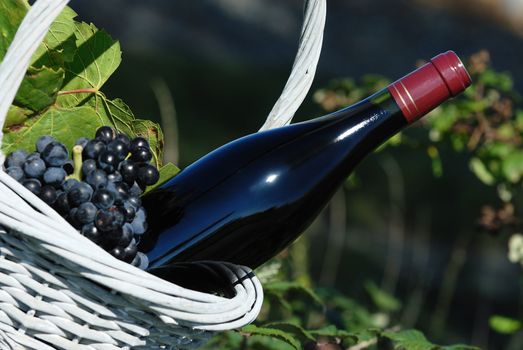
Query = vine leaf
x=272 y=333
x=415 y=340
x=11 y=15
x=39 y=88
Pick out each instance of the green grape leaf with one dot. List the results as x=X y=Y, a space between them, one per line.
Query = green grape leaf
x=295 y=330
x=39 y=88
x=95 y=60
x=59 y=45
x=512 y=166
x=504 y=325
x=272 y=333
x=166 y=172
x=415 y=340
x=283 y=287
x=65 y=125
x=11 y=15
x=383 y=300
x=16 y=116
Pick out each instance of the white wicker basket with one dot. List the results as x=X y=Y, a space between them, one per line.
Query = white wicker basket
x=58 y=290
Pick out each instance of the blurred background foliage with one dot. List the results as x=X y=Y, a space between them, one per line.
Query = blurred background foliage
x=425 y=235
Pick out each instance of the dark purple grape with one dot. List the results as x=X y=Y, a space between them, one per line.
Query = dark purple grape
x=32 y=185
x=126 y=237
x=90 y=231
x=82 y=141
x=61 y=205
x=130 y=252
x=147 y=175
x=88 y=166
x=129 y=171
x=93 y=149
x=42 y=142
x=115 y=177
x=55 y=154
x=97 y=179
x=141 y=155
x=118 y=253
x=119 y=148
x=140 y=261
x=138 y=142
x=68 y=167
x=34 y=168
x=15 y=172
x=17 y=158
x=69 y=183
x=105 y=134
x=108 y=161
x=54 y=176
x=79 y=193
x=103 y=199
x=139 y=223
x=33 y=156
x=119 y=190
x=108 y=220
x=129 y=211
x=136 y=202
x=135 y=190
x=86 y=213
x=71 y=218
x=48 y=194
x=125 y=139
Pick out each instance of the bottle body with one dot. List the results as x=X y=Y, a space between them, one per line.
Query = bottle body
x=249 y=199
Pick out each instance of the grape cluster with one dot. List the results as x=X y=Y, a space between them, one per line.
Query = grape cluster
x=98 y=191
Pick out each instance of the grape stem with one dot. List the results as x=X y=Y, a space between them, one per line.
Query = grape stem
x=78 y=91
x=77 y=163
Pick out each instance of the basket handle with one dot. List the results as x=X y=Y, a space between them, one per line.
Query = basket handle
x=42 y=14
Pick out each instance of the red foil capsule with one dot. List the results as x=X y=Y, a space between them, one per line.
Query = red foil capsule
x=427 y=87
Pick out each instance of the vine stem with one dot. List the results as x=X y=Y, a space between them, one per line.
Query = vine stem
x=77 y=161
x=78 y=91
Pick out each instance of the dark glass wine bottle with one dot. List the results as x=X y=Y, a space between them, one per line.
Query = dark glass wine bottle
x=247 y=200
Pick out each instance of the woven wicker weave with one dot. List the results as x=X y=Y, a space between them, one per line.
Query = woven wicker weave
x=58 y=290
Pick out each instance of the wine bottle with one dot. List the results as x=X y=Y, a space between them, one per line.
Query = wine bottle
x=247 y=200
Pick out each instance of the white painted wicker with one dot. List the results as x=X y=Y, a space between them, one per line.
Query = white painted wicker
x=58 y=290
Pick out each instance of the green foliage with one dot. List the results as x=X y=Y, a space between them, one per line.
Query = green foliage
x=415 y=340
x=504 y=325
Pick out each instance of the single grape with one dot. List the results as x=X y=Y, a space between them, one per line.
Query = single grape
x=43 y=141
x=135 y=201
x=82 y=141
x=68 y=167
x=129 y=171
x=55 y=154
x=135 y=190
x=141 y=155
x=118 y=253
x=86 y=213
x=108 y=220
x=130 y=251
x=32 y=185
x=140 y=261
x=111 y=238
x=33 y=156
x=129 y=211
x=88 y=166
x=15 y=172
x=125 y=139
x=93 y=149
x=17 y=158
x=147 y=175
x=139 y=223
x=114 y=177
x=61 y=204
x=71 y=218
x=34 y=168
x=79 y=193
x=69 y=183
x=48 y=194
x=126 y=237
x=90 y=231
x=105 y=134
x=138 y=142
x=97 y=179
x=119 y=190
x=54 y=176
x=108 y=161
x=103 y=199
x=119 y=148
